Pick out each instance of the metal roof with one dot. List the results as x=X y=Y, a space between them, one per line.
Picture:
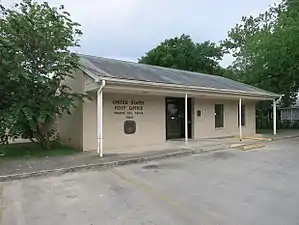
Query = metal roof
x=112 y=68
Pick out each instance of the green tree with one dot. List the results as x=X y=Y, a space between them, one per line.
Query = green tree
x=35 y=59
x=266 y=48
x=182 y=53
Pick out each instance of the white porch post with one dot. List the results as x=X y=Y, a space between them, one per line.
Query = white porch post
x=240 y=120
x=186 y=118
x=100 y=122
x=100 y=119
x=274 y=117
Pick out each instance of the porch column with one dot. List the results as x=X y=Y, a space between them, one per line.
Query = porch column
x=186 y=118
x=240 y=119
x=100 y=119
x=274 y=118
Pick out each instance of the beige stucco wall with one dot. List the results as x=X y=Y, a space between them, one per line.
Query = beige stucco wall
x=204 y=126
x=70 y=127
x=80 y=129
x=150 y=126
x=90 y=123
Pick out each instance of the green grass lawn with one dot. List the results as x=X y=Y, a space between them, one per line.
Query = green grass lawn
x=29 y=150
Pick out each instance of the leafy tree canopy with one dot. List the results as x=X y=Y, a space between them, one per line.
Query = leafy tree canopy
x=266 y=48
x=35 y=59
x=182 y=53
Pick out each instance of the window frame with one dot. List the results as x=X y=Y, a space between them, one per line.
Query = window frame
x=243 y=115
x=219 y=116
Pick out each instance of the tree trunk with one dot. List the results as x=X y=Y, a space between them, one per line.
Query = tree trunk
x=47 y=141
x=43 y=133
x=43 y=140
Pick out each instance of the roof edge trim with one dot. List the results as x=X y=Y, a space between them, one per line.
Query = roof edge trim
x=212 y=90
x=175 y=86
x=91 y=75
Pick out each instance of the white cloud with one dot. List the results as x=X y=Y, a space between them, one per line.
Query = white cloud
x=126 y=29
x=227 y=60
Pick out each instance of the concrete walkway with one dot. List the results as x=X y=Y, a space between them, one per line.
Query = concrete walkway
x=281 y=134
x=22 y=168
x=11 y=169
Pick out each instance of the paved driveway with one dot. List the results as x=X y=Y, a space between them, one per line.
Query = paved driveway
x=228 y=187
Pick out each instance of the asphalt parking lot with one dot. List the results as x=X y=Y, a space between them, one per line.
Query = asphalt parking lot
x=228 y=187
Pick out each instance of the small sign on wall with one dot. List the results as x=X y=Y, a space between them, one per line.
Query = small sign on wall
x=198 y=113
x=129 y=127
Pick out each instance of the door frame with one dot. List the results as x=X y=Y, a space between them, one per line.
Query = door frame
x=189 y=115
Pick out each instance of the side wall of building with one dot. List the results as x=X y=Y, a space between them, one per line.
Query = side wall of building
x=204 y=125
x=70 y=127
x=90 y=123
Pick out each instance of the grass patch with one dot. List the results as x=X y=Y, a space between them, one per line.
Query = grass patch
x=32 y=150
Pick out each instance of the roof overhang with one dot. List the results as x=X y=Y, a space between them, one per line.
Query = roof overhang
x=173 y=87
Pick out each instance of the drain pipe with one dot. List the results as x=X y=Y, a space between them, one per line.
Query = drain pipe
x=100 y=118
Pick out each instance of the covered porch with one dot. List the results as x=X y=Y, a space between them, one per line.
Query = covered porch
x=210 y=114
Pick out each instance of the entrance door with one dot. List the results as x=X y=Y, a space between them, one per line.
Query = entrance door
x=175 y=118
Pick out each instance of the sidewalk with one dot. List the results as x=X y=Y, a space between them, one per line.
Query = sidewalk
x=282 y=134
x=13 y=169
x=24 y=168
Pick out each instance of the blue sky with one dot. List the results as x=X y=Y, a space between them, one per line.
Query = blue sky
x=127 y=29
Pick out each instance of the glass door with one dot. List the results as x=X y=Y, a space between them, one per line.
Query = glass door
x=175 y=118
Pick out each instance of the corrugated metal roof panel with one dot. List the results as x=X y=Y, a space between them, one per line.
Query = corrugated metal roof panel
x=135 y=71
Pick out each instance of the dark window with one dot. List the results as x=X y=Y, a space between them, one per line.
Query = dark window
x=219 y=116
x=129 y=127
x=243 y=115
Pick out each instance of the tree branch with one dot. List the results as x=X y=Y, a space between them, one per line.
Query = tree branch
x=32 y=140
